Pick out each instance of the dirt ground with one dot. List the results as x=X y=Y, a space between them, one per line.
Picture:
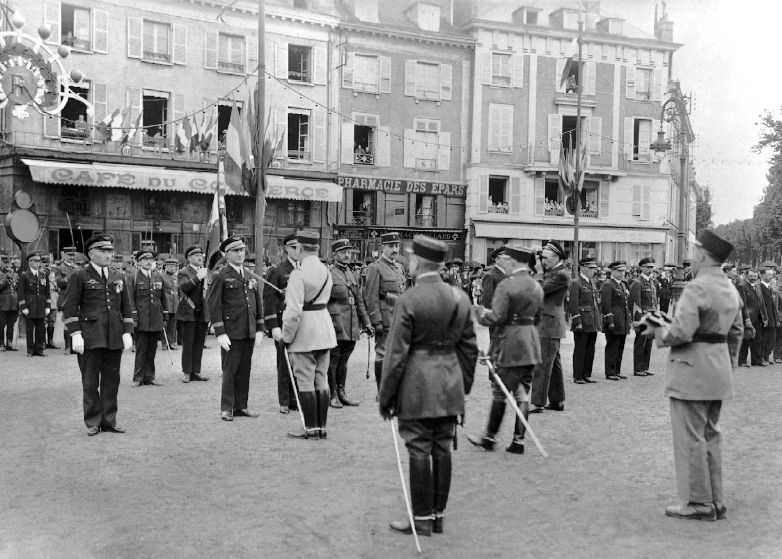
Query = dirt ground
x=182 y=483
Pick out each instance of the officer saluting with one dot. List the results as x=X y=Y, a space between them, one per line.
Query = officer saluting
x=432 y=352
x=385 y=282
x=62 y=274
x=643 y=299
x=585 y=320
x=99 y=318
x=34 y=304
x=192 y=313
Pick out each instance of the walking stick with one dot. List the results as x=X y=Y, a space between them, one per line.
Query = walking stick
x=369 y=353
x=295 y=388
x=512 y=401
x=404 y=488
x=168 y=346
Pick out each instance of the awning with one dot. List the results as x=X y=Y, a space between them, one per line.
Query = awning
x=160 y=179
x=565 y=233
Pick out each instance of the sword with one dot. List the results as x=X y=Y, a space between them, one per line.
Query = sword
x=369 y=353
x=168 y=346
x=295 y=388
x=512 y=401
x=404 y=488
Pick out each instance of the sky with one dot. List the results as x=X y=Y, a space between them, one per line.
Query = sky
x=727 y=62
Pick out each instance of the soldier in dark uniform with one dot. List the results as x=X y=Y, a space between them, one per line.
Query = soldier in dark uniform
x=430 y=367
x=9 y=303
x=385 y=282
x=192 y=313
x=99 y=318
x=34 y=304
x=515 y=345
x=350 y=318
x=666 y=282
x=643 y=299
x=235 y=305
x=171 y=295
x=616 y=319
x=47 y=269
x=150 y=316
x=491 y=279
x=584 y=305
x=274 y=305
x=62 y=273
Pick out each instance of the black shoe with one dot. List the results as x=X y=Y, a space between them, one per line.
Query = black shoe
x=285 y=410
x=153 y=383
x=344 y=399
x=92 y=431
x=112 y=429
x=245 y=413
x=185 y=377
x=649 y=373
x=51 y=346
x=719 y=506
x=198 y=377
x=556 y=406
x=537 y=409
x=640 y=374
x=515 y=448
x=483 y=442
x=335 y=403
x=9 y=347
x=172 y=348
x=227 y=416
x=579 y=381
x=589 y=380
x=39 y=354
x=438 y=526
x=423 y=526
x=29 y=354
x=612 y=377
x=621 y=376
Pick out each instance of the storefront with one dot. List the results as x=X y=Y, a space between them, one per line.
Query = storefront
x=366 y=239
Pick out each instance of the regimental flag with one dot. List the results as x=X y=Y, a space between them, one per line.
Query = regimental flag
x=217 y=229
x=209 y=132
x=186 y=132
x=570 y=62
x=182 y=137
x=119 y=124
x=235 y=150
x=195 y=134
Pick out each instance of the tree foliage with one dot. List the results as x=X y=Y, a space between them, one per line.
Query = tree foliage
x=704 y=211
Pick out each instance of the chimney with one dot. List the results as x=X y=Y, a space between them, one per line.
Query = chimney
x=663 y=27
x=425 y=14
x=364 y=10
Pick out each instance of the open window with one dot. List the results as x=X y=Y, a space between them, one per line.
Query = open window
x=299 y=134
x=74 y=121
x=155 y=111
x=498 y=195
x=231 y=53
x=642 y=136
x=76 y=27
x=425 y=211
x=157 y=41
x=224 y=109
x=300 y=63
x=554 y=202
x=363 y=208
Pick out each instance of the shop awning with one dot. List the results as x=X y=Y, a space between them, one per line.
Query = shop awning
x=160 y=179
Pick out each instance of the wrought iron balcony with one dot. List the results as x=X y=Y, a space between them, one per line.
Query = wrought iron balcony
x=364 y=158
x=362 y=218
x=74 y=134
x=301 y=155
x=157 y=56
x=498 y=209
x=230 y=67
x=426 y=220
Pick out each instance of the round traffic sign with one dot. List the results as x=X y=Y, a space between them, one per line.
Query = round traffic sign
x=22 y=226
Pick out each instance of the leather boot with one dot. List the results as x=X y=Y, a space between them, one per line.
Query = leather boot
x=335 y=403
x=517 y=446
x=309 y=408
x=421 y=497
x=496 y=414
x=378 y=373
x=342 y=375
x=441 y=479
x=322 y=397
x=50 y=338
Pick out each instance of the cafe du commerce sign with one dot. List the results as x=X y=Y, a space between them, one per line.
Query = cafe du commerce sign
x=404 y=186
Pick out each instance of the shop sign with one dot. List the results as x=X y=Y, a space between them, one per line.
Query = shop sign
x=361 y=232
x=403 y=186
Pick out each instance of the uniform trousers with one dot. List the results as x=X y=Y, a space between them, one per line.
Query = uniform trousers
x=697 y=449
x=171 y=331
x=338 y=363
x=380 y=344
x=547 y=382
x=583 y=354
x=285 y=390
x=236 y=374
x=664 y=304
x=7 y=322
x=752 y=347
x=642 y=353
x=100 y=383
x=193 y=338
x=311 y=369
x=36 y=333
x=615 y=347
x=146 y=349
x=778 y=343
x=769 y=335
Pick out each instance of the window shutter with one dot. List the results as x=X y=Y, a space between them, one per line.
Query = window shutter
x=444 y=151
x=252 y=56
x=347 y=71
x=210 y=50
x=282 y=129
x=483 y=194
x=100 y=100
x=554 y=137
x=629 y=140
x=321 y=66
x=100 y=31
x=51 y=126
x=347 y=144
x=135 y=31
x=494 y=126
x=486 y=69
x=657 y=85
x=135 y=103
x=591 y=77
x=178 y=115
x=644 y=137
x=409 y=147
x=636 y=200
x=410 y=78
x=506 y=128
x=495 y=39
x=518 y=70
x=210 y=108
x=540 y=197
x=281 y=60
x=446 y=74
x=515 y=195
x=604 y=198
x=646 y=202
x=595 y=127
x=383 y=135
x=180 y=44
x=385 y=74
x=319 y=135
x=51 y=17
x=559 y=85
x=630 y=82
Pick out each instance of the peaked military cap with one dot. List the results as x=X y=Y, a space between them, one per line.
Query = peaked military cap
x=387 y=238
x=556 y=248
x=496 y=252
x=308 y=237
x=234 y=242
x=618 y=265
x=250 y=259
x=68 y=250
x=519 y=253
x=101 y=241
x=685 y=263
x=289 y=239
x=195 y=249
x=429 y=248
x=718 y=247
x=648 y=261
x=144 y=253
x=34 y=255
x=588 y=262
x=340 y=244
x=745 y=268
x=172 y=261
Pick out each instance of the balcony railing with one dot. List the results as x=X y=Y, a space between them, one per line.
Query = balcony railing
x=74 y=134
x=542 y=156
x=555 y=212
x=299 y=76
x=302 y=155
x=80 y=44
x=362 y=218
x=363 y=159
x=498 y=209
x=426 y=164
x=157 y=56
x=429 y=220
x=156 y=142
x=230 y=67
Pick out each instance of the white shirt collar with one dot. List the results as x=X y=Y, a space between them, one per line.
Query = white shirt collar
x=764 y=283
x=238 y=269
x=586 y=278
x=98 y=269
x=645 y=277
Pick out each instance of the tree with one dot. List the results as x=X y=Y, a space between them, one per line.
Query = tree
x=703 y=211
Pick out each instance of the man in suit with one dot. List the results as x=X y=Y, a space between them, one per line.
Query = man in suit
x=772 y=318
x=432 y=353
x=349 y=317
x=515 y=345
x=192 y=313
x=9 y=303
x=171 y=295
x=236 y=307
x=699 y=377
x=584 y=304
x=34 y=304
x=491 y=279
x=756 y=310
x=62 y=273
x=99 y=318
x=273 y=305
x=150 y=316
x=643 y=298
x=386 y=281
x=548 y=382
x=309 y=333
x=616 y=319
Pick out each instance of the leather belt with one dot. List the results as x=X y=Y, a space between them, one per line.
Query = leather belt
x=520 y=321
x=706 y=338
x=314 y=307
x=434 y=348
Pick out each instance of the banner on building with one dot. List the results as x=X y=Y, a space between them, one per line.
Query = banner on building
x=403 y=186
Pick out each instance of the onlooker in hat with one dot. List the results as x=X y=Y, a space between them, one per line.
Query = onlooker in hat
x=34 y=304
x=192 y=313
x=617 y=320
x=643 y=299
x=585 y=319
x=9 y=303
x=99 y=318
x=772 y=318
x=171 y=294
x=752 y=298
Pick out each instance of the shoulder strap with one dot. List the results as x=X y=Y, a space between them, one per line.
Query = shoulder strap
x=322 y=287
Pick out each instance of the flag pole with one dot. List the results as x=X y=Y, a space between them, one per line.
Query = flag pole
x=260 y=160
x=576 y=191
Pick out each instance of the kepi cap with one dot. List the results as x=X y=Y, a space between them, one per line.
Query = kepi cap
x=308 y=237
x=195 y=249
x=718 y=247
x=646 y=261
x=139 y=254
x=520 y=253
x=289 y=239
x=172 y=261
x=234 y=242
x=618 y=265
x=101 y=241
x=588 y=262
x=68 y=250
x=392 y=237
x=429 y=248
x=34 y=255
x=556 y=248
x=340 y=244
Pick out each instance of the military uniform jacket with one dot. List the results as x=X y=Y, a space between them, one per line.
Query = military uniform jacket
x=235 y=304
x=555 y=284
x=100 y=310
x=665 y=288
x=346 y=305
x=613 y=305
x=584 y=305
x=61 y=275
x=9 y=301
x=515 y=310
x=273 y=300
x=34 y=293
x=431 y=352
x=385 y=283
x=643 y=297
x=306 y=322
x=191 y=307
x=170 y=291
x=150 y=307
x=708 y=307
x=489 y=283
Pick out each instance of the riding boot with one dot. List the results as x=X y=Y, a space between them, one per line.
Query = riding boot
x=517 y=446
x=322 y=397
x=309 y=408
x=335 y=403
x=441 y=479
x=421 y=497
x=378 y=372
x=496 y=414
x=342 y=375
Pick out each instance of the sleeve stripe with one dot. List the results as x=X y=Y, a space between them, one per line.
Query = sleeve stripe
x=71 y=320
x=217 y=325
x=22 y=302
x=609 y=314
x=127 y=320
x=268 y=316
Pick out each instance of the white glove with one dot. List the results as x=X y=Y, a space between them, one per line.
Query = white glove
x=25 y=312
x=225 y=342
x=77 y=343
x=258 y=338
x=277 y=334
x=46 y=312
x=127 y=341
x=201 y=273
